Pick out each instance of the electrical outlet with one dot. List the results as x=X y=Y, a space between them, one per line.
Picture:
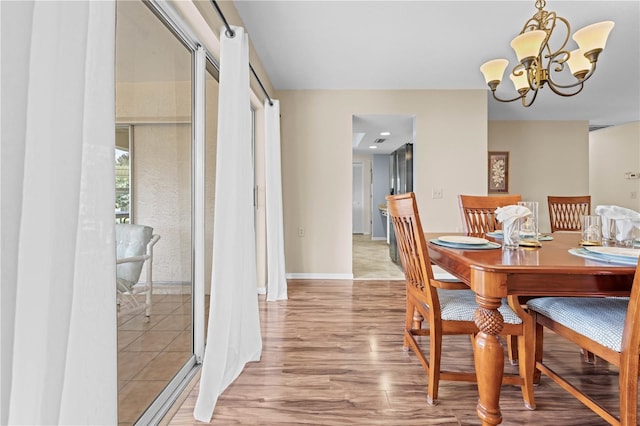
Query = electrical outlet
x=300 y=231
x=436 y=193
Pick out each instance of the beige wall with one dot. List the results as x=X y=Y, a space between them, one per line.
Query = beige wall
x=546 y=158
x=614 y=151
x=451 y=135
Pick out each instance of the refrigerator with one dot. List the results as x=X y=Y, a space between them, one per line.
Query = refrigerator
x=401 y=181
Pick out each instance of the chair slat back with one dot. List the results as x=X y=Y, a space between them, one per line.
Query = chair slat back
x=565 y=212
x=478 y=211
x=403 y=212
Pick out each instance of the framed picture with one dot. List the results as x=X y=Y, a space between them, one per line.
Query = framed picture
x=498 y=172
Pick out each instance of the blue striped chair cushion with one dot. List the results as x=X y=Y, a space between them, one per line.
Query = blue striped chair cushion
x=599 y=319
x=459 y=305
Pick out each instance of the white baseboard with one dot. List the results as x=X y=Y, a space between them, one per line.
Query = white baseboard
x=296 y=276
x=262 y=290
x=379 y=238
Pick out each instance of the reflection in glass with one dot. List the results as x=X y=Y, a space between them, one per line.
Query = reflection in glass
x=154 y=100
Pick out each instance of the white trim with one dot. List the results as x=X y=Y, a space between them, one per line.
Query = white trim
x=198 y=185
x=160 y=407
x=302 y=276
x=262 y=290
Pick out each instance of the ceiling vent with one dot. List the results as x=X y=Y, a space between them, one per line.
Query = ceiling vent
x=598 y=127
x=379 y=140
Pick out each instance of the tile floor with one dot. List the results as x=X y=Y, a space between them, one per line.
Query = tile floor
x=371 y=260
x=150 y=353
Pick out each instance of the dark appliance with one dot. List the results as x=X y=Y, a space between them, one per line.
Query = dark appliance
x=401 y=181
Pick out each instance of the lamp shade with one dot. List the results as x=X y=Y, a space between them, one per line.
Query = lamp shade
x=494 y=69
x=578 y=62
x=528 y=44
x=593 y=36
x=520 y=81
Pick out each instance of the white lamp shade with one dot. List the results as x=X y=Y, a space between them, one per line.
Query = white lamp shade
x=493 y=70
x=578 y=62
x=520 y=81
x=528 y=44
x=593 y=36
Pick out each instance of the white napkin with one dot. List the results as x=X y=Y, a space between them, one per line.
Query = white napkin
x=508 y=214
x=617 y=212
x=624 y=228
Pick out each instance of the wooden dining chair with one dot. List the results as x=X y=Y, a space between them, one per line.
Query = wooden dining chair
x=478 y=211
x=479 y=217
x=446 y=307
x=608 y=327
x=565 y=212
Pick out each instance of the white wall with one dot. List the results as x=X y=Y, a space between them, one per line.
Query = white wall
x=612 y=152
x=451 y=137
x=366 y=190
x=546 y=158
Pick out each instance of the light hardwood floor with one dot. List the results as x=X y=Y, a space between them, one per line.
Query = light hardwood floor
x=332 y=355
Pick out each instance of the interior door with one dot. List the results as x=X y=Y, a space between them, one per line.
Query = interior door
x=357 y=192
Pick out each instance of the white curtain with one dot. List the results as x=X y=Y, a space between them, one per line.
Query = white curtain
x=57 y=225
x=233 y=335
x=276 y=274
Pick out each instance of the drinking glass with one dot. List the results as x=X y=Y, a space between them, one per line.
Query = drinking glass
x=591 y=230
x=511 y=234
x=529 y=226
x=608 y=229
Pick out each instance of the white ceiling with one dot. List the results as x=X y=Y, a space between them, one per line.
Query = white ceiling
x=439 y=45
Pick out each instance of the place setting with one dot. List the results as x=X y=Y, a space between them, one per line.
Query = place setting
x=594 y=246
x=465 y=242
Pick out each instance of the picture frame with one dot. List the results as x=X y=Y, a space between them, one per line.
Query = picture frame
x=498 y=172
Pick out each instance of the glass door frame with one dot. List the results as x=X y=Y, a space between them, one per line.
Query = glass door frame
x=170 y=394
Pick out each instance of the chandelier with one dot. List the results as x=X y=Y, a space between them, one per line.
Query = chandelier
x=540 y=65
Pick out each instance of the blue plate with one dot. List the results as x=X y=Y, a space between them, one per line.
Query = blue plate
x=618 y=260
x=498 y=235
x=488 y=246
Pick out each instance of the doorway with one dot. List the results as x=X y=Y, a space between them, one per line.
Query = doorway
x=374 y=138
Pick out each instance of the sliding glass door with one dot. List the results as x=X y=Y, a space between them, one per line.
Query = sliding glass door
x=154 y=104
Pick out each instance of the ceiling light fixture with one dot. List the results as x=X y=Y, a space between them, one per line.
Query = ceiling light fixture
x=373 y=147
x=537 y=60
x=385 y=133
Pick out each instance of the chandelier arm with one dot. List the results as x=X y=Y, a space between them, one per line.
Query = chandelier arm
x=533 y=98
x=580 y=82
x=555 y=89
x=493 y=92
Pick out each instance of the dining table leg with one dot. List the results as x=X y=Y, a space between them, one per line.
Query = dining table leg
x=489 y=358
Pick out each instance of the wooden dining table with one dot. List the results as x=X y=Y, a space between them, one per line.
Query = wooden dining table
x=549 y=270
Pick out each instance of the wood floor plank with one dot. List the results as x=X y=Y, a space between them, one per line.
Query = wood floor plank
x=332 y=355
